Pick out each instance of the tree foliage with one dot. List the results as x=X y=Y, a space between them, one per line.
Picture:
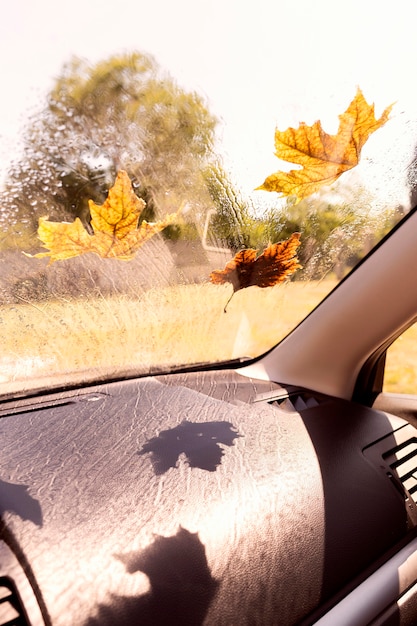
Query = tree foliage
x=122 y=113
x=336 y=231
x=336 y=228
x=234 y=225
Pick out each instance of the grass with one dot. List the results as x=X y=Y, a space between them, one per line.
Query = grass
x=171 y=326
x=401 y=364
x=178 y=325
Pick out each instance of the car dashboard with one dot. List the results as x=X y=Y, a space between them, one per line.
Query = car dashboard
x=205 y=498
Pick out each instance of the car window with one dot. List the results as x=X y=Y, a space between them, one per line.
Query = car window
x=400 y=374
x=183 y=184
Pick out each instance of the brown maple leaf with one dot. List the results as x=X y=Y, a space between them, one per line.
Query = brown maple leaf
x=276 y=263
x=116 y=233
x=323 y=157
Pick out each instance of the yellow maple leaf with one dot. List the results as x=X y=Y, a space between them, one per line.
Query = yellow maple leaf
x=323 y=157
x=115 y=227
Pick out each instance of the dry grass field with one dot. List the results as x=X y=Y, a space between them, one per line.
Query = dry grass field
x=169 y=326
x=401 y=364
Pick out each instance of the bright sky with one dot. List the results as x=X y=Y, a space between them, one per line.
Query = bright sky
x=261 y=64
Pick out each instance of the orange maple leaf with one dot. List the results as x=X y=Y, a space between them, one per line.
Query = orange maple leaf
x=276 y=263
x=323 y=157
x=116 y=233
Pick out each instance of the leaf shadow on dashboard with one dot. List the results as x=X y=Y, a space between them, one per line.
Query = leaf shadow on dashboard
x=181 y=585
x=200 y=443
x=16 y=499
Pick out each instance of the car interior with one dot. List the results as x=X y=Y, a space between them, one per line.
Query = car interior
x=188 y=445
x=283 y=487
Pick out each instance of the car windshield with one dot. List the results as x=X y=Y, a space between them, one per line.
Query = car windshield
x=182 y=183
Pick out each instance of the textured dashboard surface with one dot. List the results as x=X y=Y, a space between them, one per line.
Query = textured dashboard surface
x=178 y=499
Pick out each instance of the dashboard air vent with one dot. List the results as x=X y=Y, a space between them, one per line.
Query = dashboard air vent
x=403 y=461
x=291 y=401
x=297 y=402
x=11 y=610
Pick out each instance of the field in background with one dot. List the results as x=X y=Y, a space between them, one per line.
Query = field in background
x=401 y=364
x=167 y=326
x=164 y=327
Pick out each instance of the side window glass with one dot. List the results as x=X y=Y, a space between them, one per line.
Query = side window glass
x=401 y=364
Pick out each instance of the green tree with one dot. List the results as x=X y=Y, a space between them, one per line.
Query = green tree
x=122 y=113
x=234 y=224
x=337 y=230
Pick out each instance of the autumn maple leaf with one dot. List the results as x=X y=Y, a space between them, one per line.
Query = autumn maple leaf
x=276 y=263
x=116 y=233
x=323 y=157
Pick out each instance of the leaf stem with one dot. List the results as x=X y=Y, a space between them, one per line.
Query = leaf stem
x=225 y=306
